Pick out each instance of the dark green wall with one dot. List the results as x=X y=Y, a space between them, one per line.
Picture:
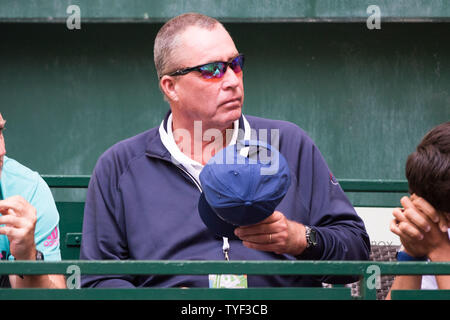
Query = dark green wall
x=366 y=97
x=226 y=10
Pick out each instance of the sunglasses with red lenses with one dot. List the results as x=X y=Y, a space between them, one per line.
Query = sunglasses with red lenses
x=214 y=69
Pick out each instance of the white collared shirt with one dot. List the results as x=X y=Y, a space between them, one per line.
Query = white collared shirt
x=192 y=166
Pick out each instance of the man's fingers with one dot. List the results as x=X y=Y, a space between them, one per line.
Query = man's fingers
x=258 y=229
x=426 y=208
x=17 y=205
x=418 y=220
x=264 y=238
x=255 y=230
x=412 y=218
x=410 y=231
x=406 y=202
x=419 y=212
x=393 y=226
x=13 y=203
x=274 y=217
x=11 y=232
x=443 y=224
x=399 y=215
x=11 y=220
x=272 y=224
x=8 y=211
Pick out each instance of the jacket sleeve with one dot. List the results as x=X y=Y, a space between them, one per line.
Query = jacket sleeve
x=103 y=227
x=341 y=234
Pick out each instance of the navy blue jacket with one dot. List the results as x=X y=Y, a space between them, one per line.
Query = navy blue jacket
x=140 y=206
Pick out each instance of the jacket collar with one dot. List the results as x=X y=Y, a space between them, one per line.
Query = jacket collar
x=155 y=147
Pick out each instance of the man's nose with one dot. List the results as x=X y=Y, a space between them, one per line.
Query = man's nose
x=231 y=79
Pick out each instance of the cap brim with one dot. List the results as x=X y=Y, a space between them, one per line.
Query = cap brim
x=215 y=224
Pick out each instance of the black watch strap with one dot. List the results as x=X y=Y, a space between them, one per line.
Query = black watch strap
x=39 y=255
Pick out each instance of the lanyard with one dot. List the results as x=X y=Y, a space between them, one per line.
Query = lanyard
x=226 y=248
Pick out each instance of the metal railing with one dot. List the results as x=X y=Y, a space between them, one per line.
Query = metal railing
x=349 y=185
x=369 y=273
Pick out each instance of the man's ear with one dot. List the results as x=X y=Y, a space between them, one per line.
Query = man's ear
x=168 y=87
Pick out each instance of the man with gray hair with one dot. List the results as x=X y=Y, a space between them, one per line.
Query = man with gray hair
x=142 y=200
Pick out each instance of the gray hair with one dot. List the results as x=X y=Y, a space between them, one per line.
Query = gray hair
x=167 y=39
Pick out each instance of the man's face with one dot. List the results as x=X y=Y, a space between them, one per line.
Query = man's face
x=2 y=142
x=216 y=102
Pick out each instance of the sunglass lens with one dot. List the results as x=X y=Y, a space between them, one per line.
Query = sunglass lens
x=213 y=70
x=237 y=64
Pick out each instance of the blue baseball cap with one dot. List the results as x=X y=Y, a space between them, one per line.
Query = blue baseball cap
x=242 y=185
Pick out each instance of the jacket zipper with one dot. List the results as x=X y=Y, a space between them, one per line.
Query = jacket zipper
x=192 y=178
x=226 y=245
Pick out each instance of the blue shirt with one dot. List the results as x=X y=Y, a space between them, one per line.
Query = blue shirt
x=141 y=206
x=17 y=179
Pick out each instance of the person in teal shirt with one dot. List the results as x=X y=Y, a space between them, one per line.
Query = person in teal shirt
x=28 y=221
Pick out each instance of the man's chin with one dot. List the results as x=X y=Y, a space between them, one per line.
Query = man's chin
x=234 y=113
x=230 y=117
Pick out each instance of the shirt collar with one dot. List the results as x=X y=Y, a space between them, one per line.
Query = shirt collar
x=179 y=158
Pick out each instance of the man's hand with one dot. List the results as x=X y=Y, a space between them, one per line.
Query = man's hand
x=19 y=218
x=275 y=233
x=420 y=227
x=436 y=216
